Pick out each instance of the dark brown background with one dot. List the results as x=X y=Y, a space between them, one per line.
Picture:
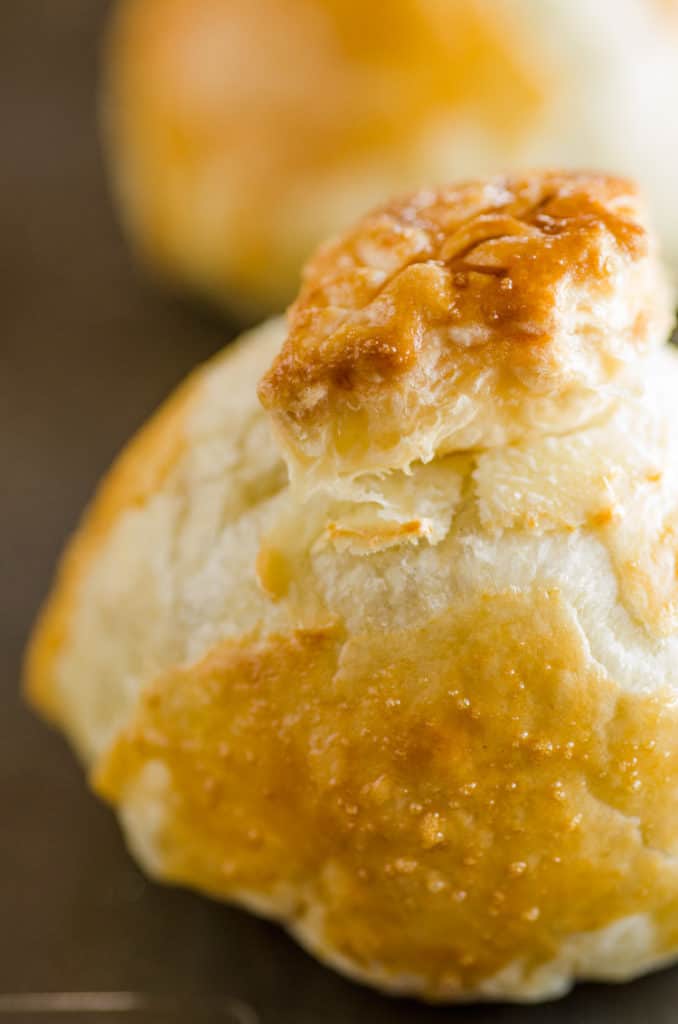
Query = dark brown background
x=87 y=349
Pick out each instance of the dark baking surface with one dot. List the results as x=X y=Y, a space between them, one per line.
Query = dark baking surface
x=87 y=349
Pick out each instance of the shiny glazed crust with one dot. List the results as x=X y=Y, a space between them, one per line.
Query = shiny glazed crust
x=429 y=722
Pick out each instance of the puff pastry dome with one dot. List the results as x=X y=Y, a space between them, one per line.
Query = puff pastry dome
x=417 y=702
x=240 y=134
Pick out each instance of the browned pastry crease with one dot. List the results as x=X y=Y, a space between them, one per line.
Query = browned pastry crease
x=502 y=292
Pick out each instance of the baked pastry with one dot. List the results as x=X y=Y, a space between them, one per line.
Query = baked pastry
x=240 y=134
x=419 y=703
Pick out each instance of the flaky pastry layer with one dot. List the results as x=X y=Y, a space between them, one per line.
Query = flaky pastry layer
x=468 y=317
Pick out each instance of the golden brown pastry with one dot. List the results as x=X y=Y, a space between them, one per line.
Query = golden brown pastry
x=419 y=704
x=240 y=134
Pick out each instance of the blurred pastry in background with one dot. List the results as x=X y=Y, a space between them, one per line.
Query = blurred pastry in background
x=240 y=133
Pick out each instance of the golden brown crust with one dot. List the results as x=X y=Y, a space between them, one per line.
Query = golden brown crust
x=445 y=800
x=488 y=257
x=530 y=286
